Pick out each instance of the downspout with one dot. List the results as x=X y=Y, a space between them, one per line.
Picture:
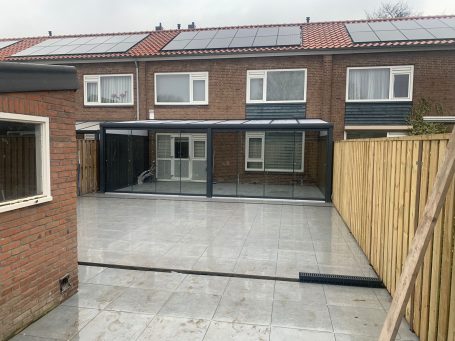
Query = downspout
x=137 y=89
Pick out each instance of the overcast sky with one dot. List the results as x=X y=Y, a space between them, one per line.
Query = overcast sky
x=20 y=18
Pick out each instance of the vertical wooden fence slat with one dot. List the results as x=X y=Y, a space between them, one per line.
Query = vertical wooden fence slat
x=88 y=168
x=380 y=188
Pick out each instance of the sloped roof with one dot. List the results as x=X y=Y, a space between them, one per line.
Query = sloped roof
x=316 y=36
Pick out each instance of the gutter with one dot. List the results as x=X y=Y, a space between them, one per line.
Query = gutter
x=137 y=89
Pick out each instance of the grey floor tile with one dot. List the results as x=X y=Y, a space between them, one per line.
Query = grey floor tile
x=296 y=315
x=347 y=337
x=215 y=264
x=114 y=326
x=305 y=293
x=21 y=337
x=190 y=305
x=259 y=253
x=255 y=267
x=157 y=280
x=115 y=277
x=204 y=284
x=142 y=301
x=351 y=296
x=61 y=323
x=222 y=331
x=244 y=310
x=250 y=288
x=177 y=262
x=87 y=272
x=288 y=334
x=357 y=320
x=95 y=296
x=174 y=328
x=222 y=252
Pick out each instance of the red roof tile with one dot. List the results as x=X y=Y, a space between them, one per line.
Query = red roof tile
x=315 y=36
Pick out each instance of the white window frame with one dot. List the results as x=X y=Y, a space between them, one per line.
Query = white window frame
x=394 y=70
x=97 y=79
x=262 y=74
x=43 y=153
x=192 y=77
x=262 y=159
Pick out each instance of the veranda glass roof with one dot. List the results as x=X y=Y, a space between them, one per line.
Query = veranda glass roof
x=316 y=124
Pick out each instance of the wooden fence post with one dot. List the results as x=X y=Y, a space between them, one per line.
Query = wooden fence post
x=420 y=242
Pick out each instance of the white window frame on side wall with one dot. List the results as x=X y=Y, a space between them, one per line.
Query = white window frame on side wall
x=97 y=79
x=42 y=153
x=262 y=74
x=394 y=70
x=192 y=77
x=262 y=159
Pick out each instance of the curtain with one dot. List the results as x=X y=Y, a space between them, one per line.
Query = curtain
x=92 y=92
x=369 y=84
x=285 y=85
x=116 y=89
x=256 y=90
x=199 y=90
x=173 y=88
x=283 y=151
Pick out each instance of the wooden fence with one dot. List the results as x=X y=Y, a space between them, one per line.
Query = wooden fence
x=380 y=188
x=88 y=177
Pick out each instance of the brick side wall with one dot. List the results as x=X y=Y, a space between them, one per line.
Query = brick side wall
x=38 y=243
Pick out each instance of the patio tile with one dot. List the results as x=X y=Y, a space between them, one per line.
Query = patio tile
x=87 y=272
x=255 y=267
x=190 y=305
x=204 y=284
x=177 y=262
x=259 y=253
x=296 y=245
x=351 y=296
x=244 y=310
x=222 y=331
x=114 y=325
x=290 y=270
x=116 y=277
x=222 y=252
x=185 y=250
x=157 y=280
x=61 y=323
x=357 y=320
x=21 y=337
x=250 y=288
x=347 y=337
x=305 y=293
x=142 y=301
x=94 y=296
x=172 y=328
x=286 y=334
x=297 y=315
x=215 y=264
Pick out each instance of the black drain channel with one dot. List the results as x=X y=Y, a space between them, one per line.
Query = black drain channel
x=303 y=276
x=353 y=281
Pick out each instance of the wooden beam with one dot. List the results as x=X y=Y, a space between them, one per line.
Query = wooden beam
x=420 y=242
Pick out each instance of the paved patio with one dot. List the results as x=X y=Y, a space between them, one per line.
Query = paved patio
x=133 y=305
x=234 y=237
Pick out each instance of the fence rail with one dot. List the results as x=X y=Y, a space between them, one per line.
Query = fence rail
x=88 y=166
x=380 y=187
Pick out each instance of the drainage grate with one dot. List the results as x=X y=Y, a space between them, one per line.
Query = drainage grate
x=354 y=281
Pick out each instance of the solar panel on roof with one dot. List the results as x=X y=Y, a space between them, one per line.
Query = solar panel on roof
x=235 y=38
x=403 y=30
x=83 y=45
x=7 y=43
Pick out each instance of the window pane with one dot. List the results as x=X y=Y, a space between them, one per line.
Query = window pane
x=255 y=148
x=163 y=146
x=256 y=88
x=254 y=165
x=181 y=148
x=369 y=84
x=283 y=151
x=116 y=89
x=92 y=92
x=199 y=149
x=199 y=90
x=173 y=88
x=20 y=160
x=401 y=86
x=365 y=134
x=285 y=85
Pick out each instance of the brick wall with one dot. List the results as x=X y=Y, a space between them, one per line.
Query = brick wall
x=326 y=89
x=38 y=243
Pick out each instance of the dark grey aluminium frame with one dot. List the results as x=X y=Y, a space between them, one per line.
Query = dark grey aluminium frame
x=210 y=128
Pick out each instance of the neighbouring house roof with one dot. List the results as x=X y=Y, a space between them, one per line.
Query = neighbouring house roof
x=20 y=77
x=316 y=37
x=316 y=124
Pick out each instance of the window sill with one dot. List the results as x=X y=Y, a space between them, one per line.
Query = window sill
x=275 y=171
x=24 y=202
x=401 y=100
x=108 y=105
x=275 y=102
x=181 y=104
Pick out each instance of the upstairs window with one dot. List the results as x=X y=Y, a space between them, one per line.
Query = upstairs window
x=376 y=84
x=276 y=86
x=181 y=88
x=108 y=90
